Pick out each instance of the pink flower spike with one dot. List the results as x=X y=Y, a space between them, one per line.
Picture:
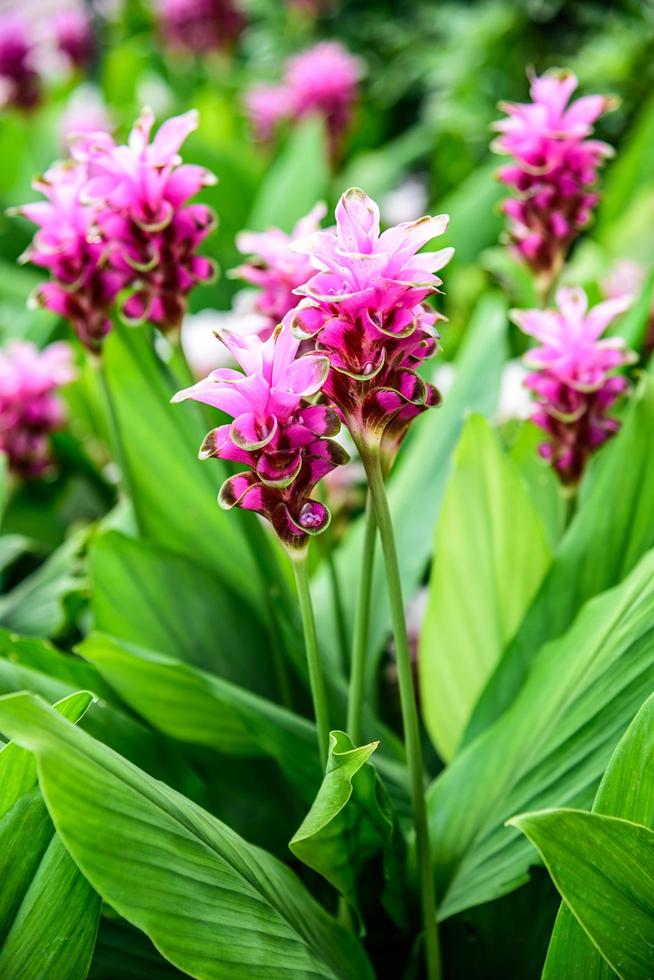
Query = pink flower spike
x=275 y=432
x=74 y=36
x=20 y=84
x=573 y=377
x=365 y=308
x=555 y=168
x=275 y=267
x=200 y=26
x=29 y=408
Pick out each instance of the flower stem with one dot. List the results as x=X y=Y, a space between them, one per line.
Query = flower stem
x=361 y=629
x=371 y=461
x=116 y=443
x=316 y=681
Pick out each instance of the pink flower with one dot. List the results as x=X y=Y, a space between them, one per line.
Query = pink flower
x=200 y=26
x=74 y=36
x=267 y=106
x=321 y=80
x=85 y=114
x=29 y=408
x=275 y=267
x=275 y=432
x=82 y=287
x=20 y=84
x=365 y=307
x=139 y=193
x=573 y=376
x=554 y=170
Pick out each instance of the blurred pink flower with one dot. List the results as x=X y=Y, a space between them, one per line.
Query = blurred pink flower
x=275 y=268
x=321 y=80
x=199 y=331
x=200 y=26
x=20 y=84
x=365 y=307
x=85 y=114
x=554 y=170
x=82 y=287
x=29 y=408
x=74 y=37
x=573 y=376
x=276 y=433
x=138 y=192
x=625 y=278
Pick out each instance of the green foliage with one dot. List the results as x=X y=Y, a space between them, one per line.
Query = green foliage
x=490 y=555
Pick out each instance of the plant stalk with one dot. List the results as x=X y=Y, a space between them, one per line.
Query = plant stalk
x=372 y=464
x=316 y=681
x=361 y=628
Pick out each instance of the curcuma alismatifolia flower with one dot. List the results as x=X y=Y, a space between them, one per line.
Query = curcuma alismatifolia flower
x=83 y=286
x=138 y=193
x=20 y=84
x=277 y=433
x=365 y=308
x=573 y=376
x=74 y=37
x=554 y=169
x=275 y=268
x=29 y=407
x=200 y=26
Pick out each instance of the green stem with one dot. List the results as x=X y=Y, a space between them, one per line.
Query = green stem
x=371 y=461
x=116 y=442
x=316 y=681
x=361 y=628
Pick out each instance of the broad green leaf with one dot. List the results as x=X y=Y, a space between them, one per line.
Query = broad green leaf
x=36 y=604
x=544 y=486
x=48 y=911
x=627 y=791
x=163 y=601
x=550 y=747
x=634 y=326
x=631 y=169
x=416 y=487
x=175 y=493
x=475 y=220
x=296 y=180
x=350 y=819
x=214 y=905
x=601 y=546
x=490 y=556
x=604 y=869
x=200 y=709
x=121 y=951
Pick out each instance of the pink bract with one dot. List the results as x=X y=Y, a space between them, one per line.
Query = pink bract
x=29 y=408
x=74 y=36
x=275 y=432
x=365 y=307
x=554 y=169
x=139 y=193
x=275 y=267
x=83 y=287
x=573 y=376
x=201 y=26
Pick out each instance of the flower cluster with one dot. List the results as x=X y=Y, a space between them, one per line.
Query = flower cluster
x=276 y=433
x=322 y=80
x=275 y=268
x=74 y=37
x=553 y=172
x=365 y=308
x=573 y=376
x=83 y=286
x=200 y=26
x=20 y=84
x=29 y=407
x=117 y=217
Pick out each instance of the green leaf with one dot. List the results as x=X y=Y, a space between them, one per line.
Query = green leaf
x=544 y=485
x=627 y=791
x=631 y=170
x=296 y=180
x=634 y=326
x=200 y=709
x=215 y=906
x=604 y=869
x=475 y=220
x=490 y=556
x=416 y=488
x=350 y=819
x=36 y=604
x=48 y=911
x=550 y=747
x=123 y=952
x=601 y=546
x=175 y=493
x=166 y=602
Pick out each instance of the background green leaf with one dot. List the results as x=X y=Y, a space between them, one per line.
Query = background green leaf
x=490 y=556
